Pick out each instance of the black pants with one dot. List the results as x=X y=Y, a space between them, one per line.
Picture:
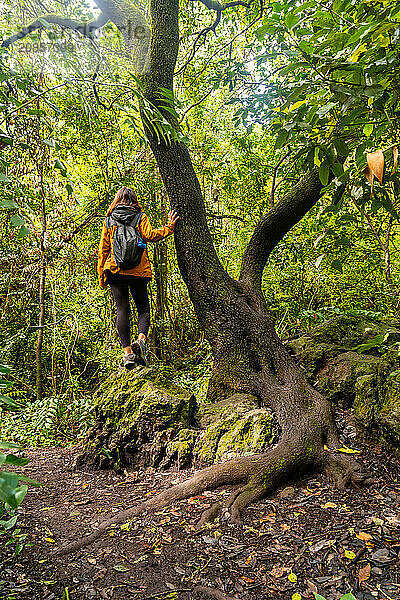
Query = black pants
x=120 y=286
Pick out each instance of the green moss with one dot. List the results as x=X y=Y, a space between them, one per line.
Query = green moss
x=137 y=414
x=337 y=380
x=180 y=449
x=237 y=435
x=366 y=403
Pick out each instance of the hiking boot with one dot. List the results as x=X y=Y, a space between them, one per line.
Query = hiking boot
x=140 y=349
x=129 y=361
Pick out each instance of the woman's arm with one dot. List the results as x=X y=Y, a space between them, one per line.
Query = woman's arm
x=154 y=235
x=104 y=252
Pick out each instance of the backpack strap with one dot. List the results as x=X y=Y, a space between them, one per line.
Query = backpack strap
x=138 y=219
x=109 y=221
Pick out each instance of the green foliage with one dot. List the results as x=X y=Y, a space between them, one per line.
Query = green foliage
x=12 y=493
x=333 y=95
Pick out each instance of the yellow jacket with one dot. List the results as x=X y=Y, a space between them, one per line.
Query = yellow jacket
x=106 y=257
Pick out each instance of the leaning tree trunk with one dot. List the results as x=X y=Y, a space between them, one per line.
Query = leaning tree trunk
x=248 y=355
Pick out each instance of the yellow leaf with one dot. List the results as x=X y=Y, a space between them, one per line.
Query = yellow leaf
x=349 y=554
x=292 y=577
x=297 y=104
x=250 y=558
x=329 y=505
x=364 y=573
x=359 y=50
x=345 y=449
x=296 y=596
x=50 y=540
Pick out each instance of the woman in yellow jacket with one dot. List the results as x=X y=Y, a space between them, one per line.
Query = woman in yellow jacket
x=124 y=209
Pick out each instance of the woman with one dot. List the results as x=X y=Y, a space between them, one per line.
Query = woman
x=124 y=218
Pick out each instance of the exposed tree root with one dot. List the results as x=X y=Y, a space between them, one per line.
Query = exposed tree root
x=260 y=474
x=300 y=450
x=344 y=471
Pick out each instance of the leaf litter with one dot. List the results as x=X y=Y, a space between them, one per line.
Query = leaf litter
x=315 y=540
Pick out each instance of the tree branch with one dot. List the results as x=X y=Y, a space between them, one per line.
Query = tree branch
x=202 y=34
x=274 y=185
x=274 y=225
x=84 y=28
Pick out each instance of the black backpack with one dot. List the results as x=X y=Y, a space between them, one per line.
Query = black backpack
x=127 y=244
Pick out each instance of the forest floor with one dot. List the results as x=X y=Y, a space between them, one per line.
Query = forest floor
x=305 y=538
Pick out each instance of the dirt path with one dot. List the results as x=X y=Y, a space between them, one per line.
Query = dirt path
x=315 y=539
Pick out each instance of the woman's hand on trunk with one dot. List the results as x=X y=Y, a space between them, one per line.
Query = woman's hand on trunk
x=172 y=219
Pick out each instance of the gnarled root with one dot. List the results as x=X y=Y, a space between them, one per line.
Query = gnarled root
x=261 y=472
x=344 y=471
x=272 y=469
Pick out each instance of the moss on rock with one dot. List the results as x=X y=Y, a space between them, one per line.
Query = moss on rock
x=137 y=414
x=234 y=427
x=337 y=379
x=366 y=401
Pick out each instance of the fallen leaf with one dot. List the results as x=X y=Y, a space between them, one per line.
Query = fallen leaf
x=92 y=561
x=121 y=568
x=320 y=545
x=292 y=577
x=349 y=554
x=329 y=505
x=250 y=558
x=347 y=450
x=364 y=573
x=278 y=572
x=50 y=540
x=362 y=535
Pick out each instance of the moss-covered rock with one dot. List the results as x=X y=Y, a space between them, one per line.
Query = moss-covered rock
x=337 y=379
x=388 y=387
x=367 y=380
x=377 y=402
x=143 y=419
x=234 y=427
x=137 y=414
x=336 y=336
x=366 y=401
x=179 y=450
